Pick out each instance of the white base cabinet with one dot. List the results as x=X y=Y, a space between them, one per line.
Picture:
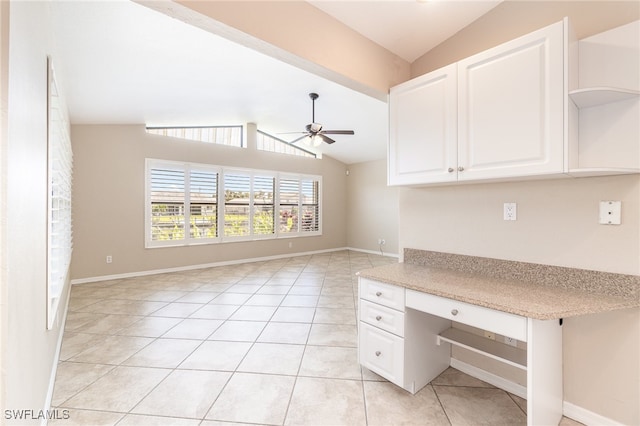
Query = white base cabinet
x=409 y=343
x=398 y=345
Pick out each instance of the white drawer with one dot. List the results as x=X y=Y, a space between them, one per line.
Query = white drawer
x=382 y=317
x=384 y=294
x=476 y=316
x=382 y=353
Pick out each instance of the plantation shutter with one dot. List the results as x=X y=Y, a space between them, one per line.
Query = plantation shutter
x=289 y=195
x=167 y=196
x=203 y=204
x=237 y=192
x=263 y=205
x=310 y=212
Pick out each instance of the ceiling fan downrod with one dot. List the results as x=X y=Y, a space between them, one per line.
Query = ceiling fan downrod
x=313 y=97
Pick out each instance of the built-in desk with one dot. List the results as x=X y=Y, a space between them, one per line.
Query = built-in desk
x=405 y=326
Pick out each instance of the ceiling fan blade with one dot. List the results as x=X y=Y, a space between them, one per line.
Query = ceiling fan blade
x=338 y=132
x=306 y=135
x=326 y=138
x=291 y=133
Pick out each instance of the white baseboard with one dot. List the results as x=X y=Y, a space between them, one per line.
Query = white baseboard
x=585 y=416
x=212 y=265
x=56 y=357
x=569 y=410
x=374 y=252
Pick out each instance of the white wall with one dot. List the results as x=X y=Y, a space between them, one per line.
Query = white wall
x=29 y=355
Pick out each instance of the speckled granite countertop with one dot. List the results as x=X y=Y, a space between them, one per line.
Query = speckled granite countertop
x=516 y=296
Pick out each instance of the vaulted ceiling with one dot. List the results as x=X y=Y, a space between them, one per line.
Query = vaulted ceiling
x=120 y=62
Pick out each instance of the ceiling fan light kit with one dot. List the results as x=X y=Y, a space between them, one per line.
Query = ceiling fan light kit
x=313 y=140
x=314 y=134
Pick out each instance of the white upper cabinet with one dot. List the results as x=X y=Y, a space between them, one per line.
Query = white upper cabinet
x=423 y=129
x=511 y=108
x=515 y=112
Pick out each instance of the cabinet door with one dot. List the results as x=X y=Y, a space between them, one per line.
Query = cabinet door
x=422 y=129
x=511 y=108
x=382 y=353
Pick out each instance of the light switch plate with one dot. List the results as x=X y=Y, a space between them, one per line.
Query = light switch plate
x=510 y=211
x=610 y=212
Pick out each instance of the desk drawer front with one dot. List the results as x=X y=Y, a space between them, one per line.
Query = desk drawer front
x=384 y=294
x=382 y=317
x=382 y=353
x=476 y=316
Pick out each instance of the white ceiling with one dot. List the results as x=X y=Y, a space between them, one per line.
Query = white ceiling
x=408 y=28
x=119 y=62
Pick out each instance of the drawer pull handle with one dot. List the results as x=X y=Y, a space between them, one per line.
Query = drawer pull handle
x=378 y=293
x=378 y=318
x=450 y=169
x=454 y=312
x=378 y=353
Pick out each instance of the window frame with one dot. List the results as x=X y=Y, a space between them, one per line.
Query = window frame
x=222 y=172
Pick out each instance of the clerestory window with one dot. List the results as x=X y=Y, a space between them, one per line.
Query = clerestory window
x=266 y=142
x=221 y=135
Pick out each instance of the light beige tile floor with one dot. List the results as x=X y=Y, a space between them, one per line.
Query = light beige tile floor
x=270 y=343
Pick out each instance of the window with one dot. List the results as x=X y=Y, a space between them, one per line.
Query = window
x=221 y=135
x=237 y=188
x=203 y=204
x=310 y=210
x=263 y=204
x=182 y=193
x=249 y=204
x=288 y=213
x=299 y=205
x=266 y=142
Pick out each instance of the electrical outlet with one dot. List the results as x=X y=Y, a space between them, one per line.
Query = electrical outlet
x=109 y=259
x=381 y=241
x=510 y=341
x=290 y=244
x=490 y=335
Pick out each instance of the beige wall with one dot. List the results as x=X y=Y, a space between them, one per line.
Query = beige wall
x=108 y=201
x=557 y=222
x=511 y=19
x=29 y=350
x=372 y=208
